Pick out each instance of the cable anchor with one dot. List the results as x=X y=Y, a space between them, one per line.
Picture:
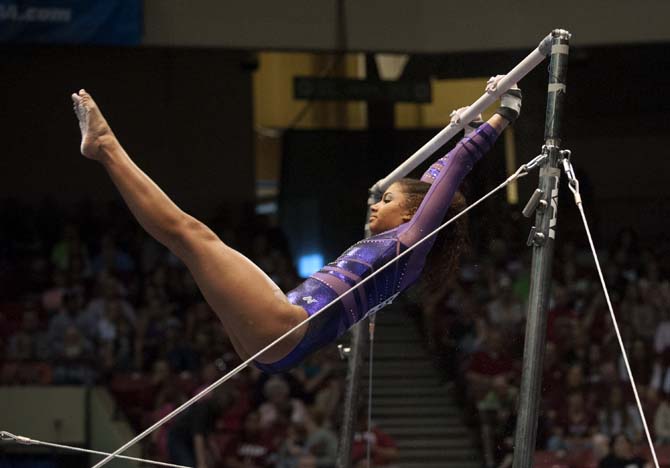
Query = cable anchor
x=9 y=437
x=536 y=161
x=573 y=183
x=536 y=201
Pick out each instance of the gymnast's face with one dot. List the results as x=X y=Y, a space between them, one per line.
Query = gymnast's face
x=391 y=211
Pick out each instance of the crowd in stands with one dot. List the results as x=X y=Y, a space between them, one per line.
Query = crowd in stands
x=88 y=298
x=477 y=327
x=92 y=300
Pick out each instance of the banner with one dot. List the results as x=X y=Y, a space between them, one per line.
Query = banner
x=108 y=22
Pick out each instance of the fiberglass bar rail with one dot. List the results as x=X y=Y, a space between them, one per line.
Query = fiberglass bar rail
x=512 y=77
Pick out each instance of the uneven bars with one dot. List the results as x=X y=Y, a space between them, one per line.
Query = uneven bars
x=513 y=76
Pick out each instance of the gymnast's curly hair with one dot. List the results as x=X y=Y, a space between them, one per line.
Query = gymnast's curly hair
x=451 y=242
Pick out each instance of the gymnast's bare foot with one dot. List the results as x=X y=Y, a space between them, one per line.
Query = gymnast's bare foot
x=96 y=135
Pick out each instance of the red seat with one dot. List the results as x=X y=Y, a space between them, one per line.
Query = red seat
x=549 y=460
x=186 y=383
x=13 y=315
x=663 y=454
x=133 y=390
x=26 y=373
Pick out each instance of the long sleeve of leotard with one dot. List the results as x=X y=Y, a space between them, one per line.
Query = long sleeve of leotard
x=445 y=176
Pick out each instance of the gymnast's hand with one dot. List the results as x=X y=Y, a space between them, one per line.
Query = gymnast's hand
x=510 y=101
x=470 y=127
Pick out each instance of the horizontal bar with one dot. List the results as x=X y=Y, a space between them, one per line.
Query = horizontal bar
x=515 y=75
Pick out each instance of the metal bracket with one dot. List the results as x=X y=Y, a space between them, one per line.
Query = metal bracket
x=535 y=202
x=535 y=238
x=564 y=154
x=343 y=351
x=561 y=34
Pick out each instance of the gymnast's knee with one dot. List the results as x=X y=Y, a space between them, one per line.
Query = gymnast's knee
x=190 y=236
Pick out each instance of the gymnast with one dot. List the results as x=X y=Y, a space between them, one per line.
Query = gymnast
x=253 y=310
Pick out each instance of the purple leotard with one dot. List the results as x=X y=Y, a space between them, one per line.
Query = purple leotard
x=367 y=255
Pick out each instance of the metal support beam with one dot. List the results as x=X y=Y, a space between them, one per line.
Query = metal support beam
x=355 y=356
x=542 y=240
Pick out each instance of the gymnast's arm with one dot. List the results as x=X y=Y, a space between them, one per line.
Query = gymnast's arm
x=446 y=175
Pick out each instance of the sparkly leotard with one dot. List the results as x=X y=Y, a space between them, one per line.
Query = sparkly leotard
x=366 y=256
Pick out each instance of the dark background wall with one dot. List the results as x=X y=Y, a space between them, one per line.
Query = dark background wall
x=184 y=115
x=327 y=175
x=400 y=25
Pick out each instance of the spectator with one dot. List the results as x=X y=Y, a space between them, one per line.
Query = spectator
x=112 y=259
x=277 y=392
x=575 y=381
x=293 y=448
x=577 y=422
x=619 y=417
x=556 y=442
x=29 y=343
x=253 y=448
x=553 y=376
x=636 y=304
x=662 y=421
x=198 y=317
x=383 y=449
x=505 y=312
x=641 y=364
x=593 y=363
x=110 y=290
x=660 y=378
x=65 y=317
x=321 y=443
x=561 y=317
x=309 y=445
x=69 y=247
x=154 y=323
x=662 y=334
x=187 y=438
x=622 y=456
x=320 y=381
x=313 y=374
x=52 y=297
x=178 y=351
x=497 y=416
x=488 y=363
x=168 y=397
x=74 y=359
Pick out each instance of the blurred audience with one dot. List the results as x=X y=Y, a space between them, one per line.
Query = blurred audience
x=93 y=300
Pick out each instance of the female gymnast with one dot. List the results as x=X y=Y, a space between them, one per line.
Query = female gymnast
x=252 y=308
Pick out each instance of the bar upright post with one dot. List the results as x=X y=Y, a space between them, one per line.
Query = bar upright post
x=542 y=240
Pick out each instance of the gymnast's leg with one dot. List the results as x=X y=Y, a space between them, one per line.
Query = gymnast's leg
x=250 y=305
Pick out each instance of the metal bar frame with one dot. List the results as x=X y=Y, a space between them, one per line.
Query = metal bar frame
x=542 y=239
x=358 y=341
